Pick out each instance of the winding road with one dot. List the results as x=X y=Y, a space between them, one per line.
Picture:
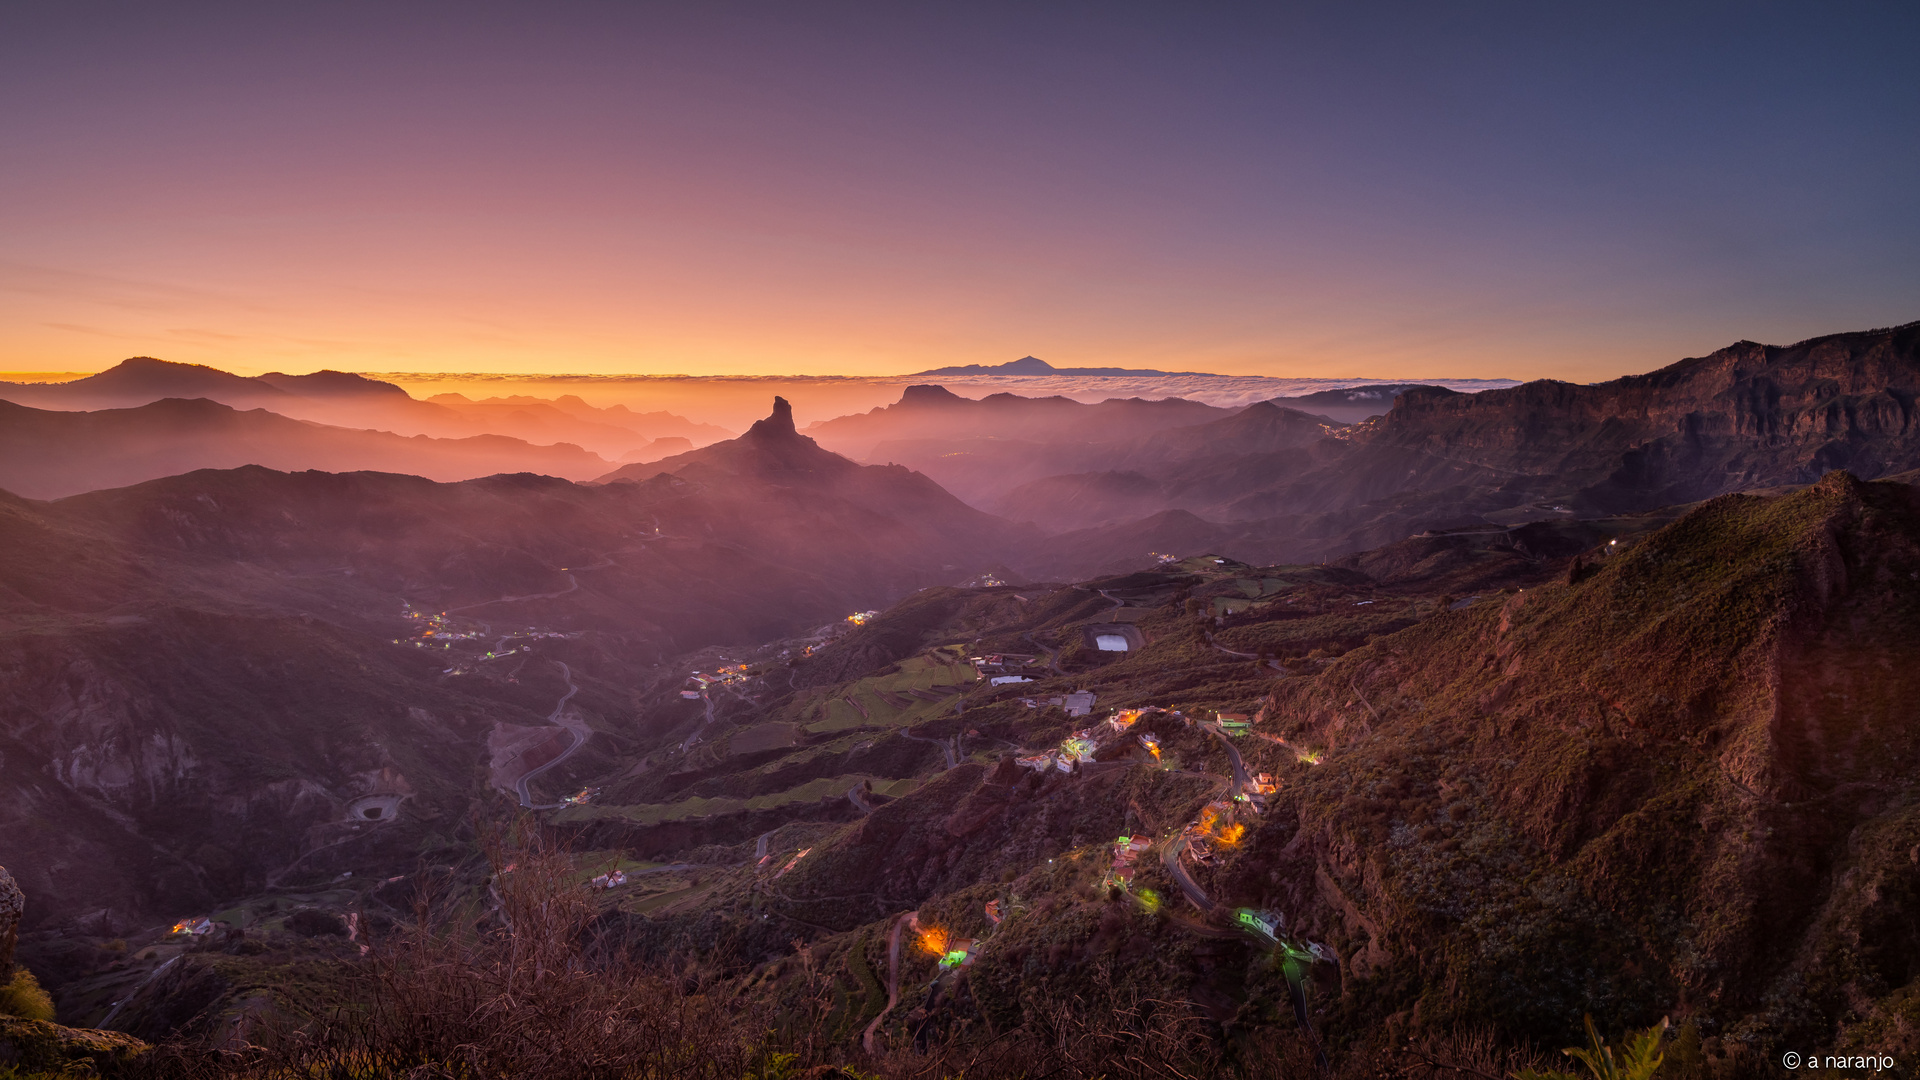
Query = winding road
x=1053 y=655
x=579 y=740
x=893 y=978
x=144 y=983
x=1191 y=888
x=858 y=800
x=1240 y=778
x=946 y=747
x=704 y=724
x=573 y=584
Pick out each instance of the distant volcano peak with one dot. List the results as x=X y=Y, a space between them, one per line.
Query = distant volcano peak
x=1034 y=366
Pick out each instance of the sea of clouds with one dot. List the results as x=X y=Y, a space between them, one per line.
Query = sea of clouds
x=1220 y=390
x=734 y=401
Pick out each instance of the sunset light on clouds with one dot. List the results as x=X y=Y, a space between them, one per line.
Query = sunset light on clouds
x=1494 y=190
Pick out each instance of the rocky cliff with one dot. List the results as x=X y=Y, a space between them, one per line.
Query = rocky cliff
x=1746 y=416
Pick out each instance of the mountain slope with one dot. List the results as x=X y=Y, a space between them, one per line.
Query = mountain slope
x=1744 y=418
x=345 y=399
x=52 y=454
x=1349 y=404
x=927 y=412
x=208 y=673
x=1195 y=469
x=1673 y=780
x=775 y=461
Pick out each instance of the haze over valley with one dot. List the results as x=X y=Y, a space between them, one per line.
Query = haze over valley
x=867 y=542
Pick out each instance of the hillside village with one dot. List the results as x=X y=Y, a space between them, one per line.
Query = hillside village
x=1122 y=695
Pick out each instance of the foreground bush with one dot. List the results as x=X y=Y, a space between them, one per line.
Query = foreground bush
x=510 y=988
x=22 y=998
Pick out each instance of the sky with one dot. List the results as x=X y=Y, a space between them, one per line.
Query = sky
x=1468 y=190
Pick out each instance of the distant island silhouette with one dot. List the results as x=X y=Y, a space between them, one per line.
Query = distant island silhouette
x=1033 y=365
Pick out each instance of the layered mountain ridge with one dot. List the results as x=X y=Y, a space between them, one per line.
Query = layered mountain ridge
x=1745 y=417
x=355 y=402
x=225 y=661
x=1490 y=713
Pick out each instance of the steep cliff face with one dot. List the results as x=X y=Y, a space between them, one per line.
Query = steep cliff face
x=158 y=764
x=1746 y=416
x=12 y=902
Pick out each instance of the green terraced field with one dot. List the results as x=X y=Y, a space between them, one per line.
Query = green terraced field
x=888 y=700
x=687 y=809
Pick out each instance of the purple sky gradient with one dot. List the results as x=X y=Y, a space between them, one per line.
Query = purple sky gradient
x=1394 y=191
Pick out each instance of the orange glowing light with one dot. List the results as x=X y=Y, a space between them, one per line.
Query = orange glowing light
x=934 y=940
x=1231 y=834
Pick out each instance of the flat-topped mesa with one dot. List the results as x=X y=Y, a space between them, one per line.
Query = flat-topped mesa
x=928 y=394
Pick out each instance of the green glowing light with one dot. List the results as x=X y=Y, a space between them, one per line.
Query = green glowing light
x=954 y=958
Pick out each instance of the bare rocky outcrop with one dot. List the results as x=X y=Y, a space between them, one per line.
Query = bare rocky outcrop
x=35 y=1047
x=12 y=903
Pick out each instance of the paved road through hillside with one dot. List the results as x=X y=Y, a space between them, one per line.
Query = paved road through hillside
x=893 y=978
x=572 y=585
x=946 y=747
x=579 y=740
x=707 y=700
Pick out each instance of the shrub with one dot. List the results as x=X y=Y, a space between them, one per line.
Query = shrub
x=23 y=997
x=310 y=922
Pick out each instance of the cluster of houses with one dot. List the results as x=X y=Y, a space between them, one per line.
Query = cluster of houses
x=1125 y=850
x=1001 y=669
x=1075 y=749
x=1083 y=745
x=608 y=881
x=438 y=628
x=699 y=681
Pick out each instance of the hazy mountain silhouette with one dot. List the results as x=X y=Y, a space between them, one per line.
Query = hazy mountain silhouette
x=775 y=462
x=929 y=413
x=1745 y=417
x=47 y=454
x=1349 y=404
x=213 y=666
x=344 y=399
